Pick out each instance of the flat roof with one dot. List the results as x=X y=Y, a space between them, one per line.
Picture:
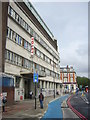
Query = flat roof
x=35 y=13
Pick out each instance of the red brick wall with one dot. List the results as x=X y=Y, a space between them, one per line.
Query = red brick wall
x=10 y=94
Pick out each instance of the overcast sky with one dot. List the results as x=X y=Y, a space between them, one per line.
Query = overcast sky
x=68 y=22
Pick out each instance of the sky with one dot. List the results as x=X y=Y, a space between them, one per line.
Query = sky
x=68 y=21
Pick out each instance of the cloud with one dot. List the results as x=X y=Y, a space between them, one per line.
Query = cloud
x=82 y=50
x=69 y=24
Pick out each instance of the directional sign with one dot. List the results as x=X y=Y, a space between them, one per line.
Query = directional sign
x=35 y=77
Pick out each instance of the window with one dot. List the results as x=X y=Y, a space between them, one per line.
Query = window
x=28 y=46
x=19 y=40
x=20 y=19
x=34 y=34
x=8 y=55
x=31 y=31
x=57 y=76
x=48 y=60
x=42 y=69
x=9 y=10
x=22 y=22
x=65 y=79
x=17 y=17
x=14 y=36
x=37 y=37
x=26 y=63
x=65 y=74
x=71 y=79
x=45 y=58
x=71 y=75
x=12 y=57
x=47 y=72
x=54 y=74
x=51 y=62
x=16 y=59
x=5 y=54
x=42 y=56
x=26 y=26
x=37 y=66
x=56 y=65
x=38 y=53
x=8 y=32
x=25 y=44
x=51 y=73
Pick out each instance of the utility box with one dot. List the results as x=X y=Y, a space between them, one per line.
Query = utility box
x=19 y=94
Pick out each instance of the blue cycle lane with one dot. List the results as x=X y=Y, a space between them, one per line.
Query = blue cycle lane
x=54 y=108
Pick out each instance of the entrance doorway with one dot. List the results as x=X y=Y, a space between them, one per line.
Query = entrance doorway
x=27 y=88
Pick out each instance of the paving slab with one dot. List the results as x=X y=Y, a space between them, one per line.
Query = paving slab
x=26 y=109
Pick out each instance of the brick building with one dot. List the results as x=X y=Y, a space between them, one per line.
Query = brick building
x=68 y=78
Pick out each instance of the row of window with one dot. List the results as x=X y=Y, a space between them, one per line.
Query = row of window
x=66 y=80
x=42 y=56
x=66 y=75
x=20 y=61
x=18 y=39
x=22 y=42
x=18 y=19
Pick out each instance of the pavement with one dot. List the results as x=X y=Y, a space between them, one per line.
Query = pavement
x=26 y=109
x=53 y=108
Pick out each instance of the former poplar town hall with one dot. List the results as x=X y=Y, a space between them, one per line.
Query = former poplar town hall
x=27 y=47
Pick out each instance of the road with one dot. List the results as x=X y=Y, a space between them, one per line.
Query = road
x=80 y=103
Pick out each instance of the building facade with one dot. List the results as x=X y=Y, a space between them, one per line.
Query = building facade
x=21 y=23
x=68 y=78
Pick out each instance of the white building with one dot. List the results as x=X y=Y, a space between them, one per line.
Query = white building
x=21 y=23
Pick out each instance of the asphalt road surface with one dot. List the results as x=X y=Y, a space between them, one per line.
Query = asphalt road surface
x=81 y=104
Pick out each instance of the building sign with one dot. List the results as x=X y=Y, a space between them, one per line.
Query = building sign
x=32 y=46
x=35 y=77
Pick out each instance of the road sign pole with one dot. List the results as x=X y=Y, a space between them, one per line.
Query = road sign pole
x=35 y=95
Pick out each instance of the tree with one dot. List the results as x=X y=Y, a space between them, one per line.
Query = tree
x=84 y=81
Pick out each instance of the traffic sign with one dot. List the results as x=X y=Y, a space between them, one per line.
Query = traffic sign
x=35 y=77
